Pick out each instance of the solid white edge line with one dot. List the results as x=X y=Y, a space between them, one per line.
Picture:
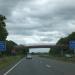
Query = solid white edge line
x=14 y=66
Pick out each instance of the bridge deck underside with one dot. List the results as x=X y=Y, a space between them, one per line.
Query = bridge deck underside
x=43 y=46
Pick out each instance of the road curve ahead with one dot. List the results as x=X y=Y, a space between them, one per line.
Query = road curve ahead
x=41 y=66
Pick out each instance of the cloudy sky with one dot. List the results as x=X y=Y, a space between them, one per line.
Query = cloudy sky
x=38 y=21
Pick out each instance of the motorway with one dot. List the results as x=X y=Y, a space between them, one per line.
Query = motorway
x=41 y=66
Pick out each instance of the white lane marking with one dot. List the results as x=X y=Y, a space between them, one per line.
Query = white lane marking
x=48 y=66
x=13 y=67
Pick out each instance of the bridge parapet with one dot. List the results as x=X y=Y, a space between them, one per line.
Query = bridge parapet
x=45 y=46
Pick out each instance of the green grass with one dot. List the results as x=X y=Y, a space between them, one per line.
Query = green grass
x=6 y=61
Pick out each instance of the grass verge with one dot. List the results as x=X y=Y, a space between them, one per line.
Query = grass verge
x=6 y=61
x=60 y=58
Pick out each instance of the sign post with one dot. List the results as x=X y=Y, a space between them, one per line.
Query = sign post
x=2 y=46
x=72 y=45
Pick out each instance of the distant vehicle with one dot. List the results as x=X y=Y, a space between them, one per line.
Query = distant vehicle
x=28 y=56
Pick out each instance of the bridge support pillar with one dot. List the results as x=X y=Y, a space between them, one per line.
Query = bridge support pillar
x=26 y=51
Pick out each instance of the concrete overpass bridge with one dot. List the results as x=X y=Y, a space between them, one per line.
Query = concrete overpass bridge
x=45 y=46
x=27 y=47
x=41 y=46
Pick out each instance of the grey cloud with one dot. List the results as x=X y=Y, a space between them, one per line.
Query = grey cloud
x=6 y=6
x=25 y=17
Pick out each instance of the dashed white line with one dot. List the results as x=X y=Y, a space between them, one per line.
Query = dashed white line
x=48 y=66
x=13 y=67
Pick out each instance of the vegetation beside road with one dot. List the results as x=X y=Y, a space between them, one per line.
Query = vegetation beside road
x=12 y=48
x=60 y=58
x=8 y=60
x=65 y=43
x=12 y=52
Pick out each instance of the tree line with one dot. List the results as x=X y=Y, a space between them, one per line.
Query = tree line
x=10 y=45
x=63 y=41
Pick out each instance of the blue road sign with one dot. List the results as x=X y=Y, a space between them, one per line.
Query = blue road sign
x=72 y=44
x=2 y=46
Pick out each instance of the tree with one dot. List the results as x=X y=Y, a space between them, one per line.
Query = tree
x=21 y=49
x=71 y=36
x=9 y=46
x=63 y=41
x=3 y=31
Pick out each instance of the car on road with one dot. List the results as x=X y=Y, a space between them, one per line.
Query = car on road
x=28 y=56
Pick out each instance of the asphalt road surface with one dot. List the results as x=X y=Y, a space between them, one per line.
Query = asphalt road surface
x=41 y=66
